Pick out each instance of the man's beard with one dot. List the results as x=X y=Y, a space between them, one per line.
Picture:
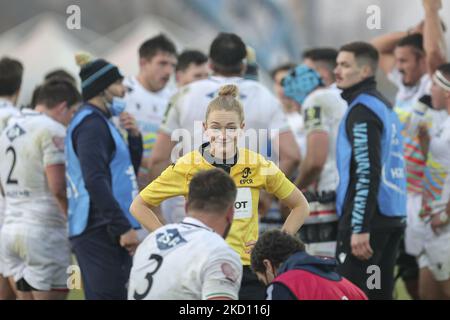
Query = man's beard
x=227 y=230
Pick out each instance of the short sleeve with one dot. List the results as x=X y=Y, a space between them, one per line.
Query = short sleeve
x=314 y=119
x=171 y=183
x=222 y=275
x=52 y=145
x=276 y=182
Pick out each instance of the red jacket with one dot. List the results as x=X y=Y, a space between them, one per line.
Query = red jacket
x=313 y=278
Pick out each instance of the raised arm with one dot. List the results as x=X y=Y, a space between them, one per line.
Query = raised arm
x=433 y=36
x=386 y=43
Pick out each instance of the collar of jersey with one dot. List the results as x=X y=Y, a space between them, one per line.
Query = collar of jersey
x=135 y=82
x=197 y=223
x=222 y=79
x=210 y=159
x=5 y=103
x=31 y=112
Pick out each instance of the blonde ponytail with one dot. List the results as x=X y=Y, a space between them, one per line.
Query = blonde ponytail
x=227 y=100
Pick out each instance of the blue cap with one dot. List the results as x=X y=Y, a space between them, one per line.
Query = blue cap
x=300 y=82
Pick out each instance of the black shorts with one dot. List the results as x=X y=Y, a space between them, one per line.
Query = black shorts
x=251 y=287
x=319 y=232
x=408 y=268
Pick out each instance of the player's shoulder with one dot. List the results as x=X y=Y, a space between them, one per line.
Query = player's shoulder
x=8 y=111
x=252 y=86
x=217 y=248
x=44 y=123
x=322 y=96
x=251 y=158
x=186 y=163
x=130 y=83
x=201 y=85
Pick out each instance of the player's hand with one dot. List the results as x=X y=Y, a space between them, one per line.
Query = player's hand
x=250 y=245
x=438 y=221
x=128 y=122
x=361 y=246
x=432 y=5
x=129 y=240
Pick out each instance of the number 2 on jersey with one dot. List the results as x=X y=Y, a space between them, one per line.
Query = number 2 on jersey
x=149 y=277
x=10 y=180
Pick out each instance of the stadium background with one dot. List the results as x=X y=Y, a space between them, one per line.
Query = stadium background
x=35 y=32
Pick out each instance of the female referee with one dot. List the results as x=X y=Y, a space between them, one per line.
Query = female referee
x=250 y=171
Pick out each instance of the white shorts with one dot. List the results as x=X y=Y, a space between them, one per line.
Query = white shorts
x=40 y=255
x=173 y=209
x=322 y=249
x=415 y=228
x=436 y=254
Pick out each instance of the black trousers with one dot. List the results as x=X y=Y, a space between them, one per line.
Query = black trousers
x=251 y=288
x=105 y=265
x=385 y=244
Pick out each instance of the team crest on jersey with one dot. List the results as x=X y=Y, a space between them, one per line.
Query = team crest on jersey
x=59 y=143
x=229 y=272
x=168 y=239
x=245 y=174
x=15 y=132
x=313 y=117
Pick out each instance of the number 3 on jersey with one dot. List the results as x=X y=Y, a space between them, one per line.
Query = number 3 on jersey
x=149 y=277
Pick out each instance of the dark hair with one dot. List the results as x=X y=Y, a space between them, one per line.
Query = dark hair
x=55 y=91
x=11 y=72
x=284 y=67
x=365 y=53
x=34 y=96
x=445 y=69
x=227 y=53
x=60 y=74
x=275 y=246
x=413 y=40
x=328 y=55
x=190 y=56
x=322 y=55
x=152 y=46
x=211 y=191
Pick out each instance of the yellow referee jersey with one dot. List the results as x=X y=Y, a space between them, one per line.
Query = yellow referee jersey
x=251 y=173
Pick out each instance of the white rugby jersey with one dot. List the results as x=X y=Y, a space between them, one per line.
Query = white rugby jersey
x=184 y=261
x=7 y=110
x=406 y=97
x=31 y=142
x=323 y=110
x=297 y=124
x=148 y=108
x=437 y=174
x=187 y=110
